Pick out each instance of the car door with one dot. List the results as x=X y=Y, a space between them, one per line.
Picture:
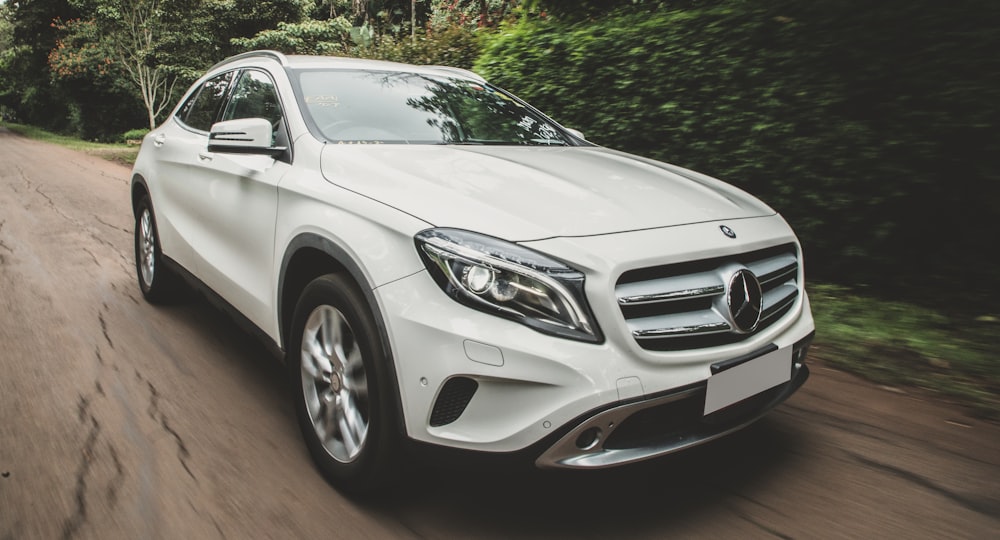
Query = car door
x=238 y=204
x=176 y=148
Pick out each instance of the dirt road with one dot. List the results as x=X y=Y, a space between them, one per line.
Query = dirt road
x=123 y=420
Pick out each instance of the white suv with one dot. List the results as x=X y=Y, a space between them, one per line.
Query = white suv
x=441 y=264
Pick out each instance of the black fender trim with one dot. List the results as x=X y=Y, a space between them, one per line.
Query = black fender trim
x=340 y=255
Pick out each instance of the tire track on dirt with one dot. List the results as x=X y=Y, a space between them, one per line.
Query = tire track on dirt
x=984 y=506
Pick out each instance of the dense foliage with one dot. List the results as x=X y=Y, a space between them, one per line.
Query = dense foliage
x=871 y=127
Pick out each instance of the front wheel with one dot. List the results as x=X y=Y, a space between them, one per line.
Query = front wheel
x=342 y=386
x=155 y=280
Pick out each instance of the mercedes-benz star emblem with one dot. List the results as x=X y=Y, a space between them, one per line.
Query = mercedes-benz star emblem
x=727 y=231
x=745 y=299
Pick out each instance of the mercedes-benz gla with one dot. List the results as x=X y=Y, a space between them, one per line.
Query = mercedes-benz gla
x=440 y=264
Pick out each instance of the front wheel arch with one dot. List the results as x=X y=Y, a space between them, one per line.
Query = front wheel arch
x=139 y=190
x=309 y=256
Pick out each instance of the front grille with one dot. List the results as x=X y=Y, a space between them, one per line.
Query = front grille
x=451 y=402
x=683 y=306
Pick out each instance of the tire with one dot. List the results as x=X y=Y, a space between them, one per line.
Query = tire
x=342 y=386
x=157 y=283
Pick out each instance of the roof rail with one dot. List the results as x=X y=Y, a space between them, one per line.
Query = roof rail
x=458 y=71
x=282 y=59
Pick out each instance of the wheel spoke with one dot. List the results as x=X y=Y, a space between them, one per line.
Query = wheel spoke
x=353 y=361
x=321 y=421
x=350 y=436
x=357 y=425
x=331 y=332
x=315 y=362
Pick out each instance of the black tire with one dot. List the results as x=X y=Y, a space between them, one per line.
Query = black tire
x=157 y=282
x=331 y=410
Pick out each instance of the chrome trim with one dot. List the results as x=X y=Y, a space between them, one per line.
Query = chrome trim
x=708 y=328
x=564 y=454
x=673 y=295
x=776 y=307
x=767 y=270
x=743 y=293
x=658 y=308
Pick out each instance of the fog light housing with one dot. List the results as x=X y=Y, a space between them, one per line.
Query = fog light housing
x=589 y=438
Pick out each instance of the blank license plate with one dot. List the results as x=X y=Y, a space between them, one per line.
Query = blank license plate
x=748 y=379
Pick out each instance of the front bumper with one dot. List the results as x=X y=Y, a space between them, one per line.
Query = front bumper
x=663 y=424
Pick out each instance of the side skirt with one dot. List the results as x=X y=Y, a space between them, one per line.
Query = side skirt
x=221 y=304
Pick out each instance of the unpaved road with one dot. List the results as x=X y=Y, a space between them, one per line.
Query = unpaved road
x=123 y=420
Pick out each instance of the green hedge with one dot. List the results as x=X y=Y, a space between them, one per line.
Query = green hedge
x=456 y=46
x=870 y=126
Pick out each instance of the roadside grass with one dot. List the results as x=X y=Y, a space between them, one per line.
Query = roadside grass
x=116 y=152
x=888 y=342
x=900 y=344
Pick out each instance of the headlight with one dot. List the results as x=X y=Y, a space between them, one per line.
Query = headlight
x=510 y=281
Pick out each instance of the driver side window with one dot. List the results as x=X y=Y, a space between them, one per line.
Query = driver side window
x=255 y=97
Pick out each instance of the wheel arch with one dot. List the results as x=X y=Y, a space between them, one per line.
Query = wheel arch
x=139 y=189
x=309 y=256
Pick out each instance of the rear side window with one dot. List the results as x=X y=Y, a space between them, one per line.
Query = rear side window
x=202 y=108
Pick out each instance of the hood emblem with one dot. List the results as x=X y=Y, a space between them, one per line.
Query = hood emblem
x=745 y=300
x=727 y=231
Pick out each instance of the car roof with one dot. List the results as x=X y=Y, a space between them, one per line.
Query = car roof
x=295 y=61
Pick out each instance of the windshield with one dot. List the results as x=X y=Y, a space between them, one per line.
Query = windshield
x=390 y=107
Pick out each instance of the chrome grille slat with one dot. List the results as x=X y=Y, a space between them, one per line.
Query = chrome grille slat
x=773 y=267
x=683 y=324
x=778 y=299
x=670 y=288
x=682 y=306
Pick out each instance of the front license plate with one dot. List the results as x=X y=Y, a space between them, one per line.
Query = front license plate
x=748 y=379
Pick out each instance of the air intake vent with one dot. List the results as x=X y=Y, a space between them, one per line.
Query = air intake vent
x=451 y=402
x=685 y=306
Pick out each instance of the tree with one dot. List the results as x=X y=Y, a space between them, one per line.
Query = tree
x=25 y=85
x=307 y=37
x=120 y=34
x=139 y=24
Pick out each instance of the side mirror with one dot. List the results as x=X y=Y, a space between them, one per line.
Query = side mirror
x=576 y=133
x=243 y=136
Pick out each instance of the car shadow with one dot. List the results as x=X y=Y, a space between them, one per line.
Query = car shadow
x=670 y=490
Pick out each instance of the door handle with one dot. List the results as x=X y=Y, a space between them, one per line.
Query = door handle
x=204 y=156
x=159 y=139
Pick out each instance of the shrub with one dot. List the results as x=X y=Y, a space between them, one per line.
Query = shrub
x=134 y=135
x=455 y=46
x=869 y=127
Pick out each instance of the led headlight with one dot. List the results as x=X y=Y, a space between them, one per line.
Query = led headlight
x=510 y=281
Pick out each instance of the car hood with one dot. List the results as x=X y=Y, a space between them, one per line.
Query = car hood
x=528 y=193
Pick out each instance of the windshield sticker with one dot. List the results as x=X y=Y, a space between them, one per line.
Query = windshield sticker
x=548 y=132
x=323 y=101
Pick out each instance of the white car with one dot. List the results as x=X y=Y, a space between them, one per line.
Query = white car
x=441 y=264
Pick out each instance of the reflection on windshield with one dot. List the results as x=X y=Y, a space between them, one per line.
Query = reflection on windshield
x=389 y=107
